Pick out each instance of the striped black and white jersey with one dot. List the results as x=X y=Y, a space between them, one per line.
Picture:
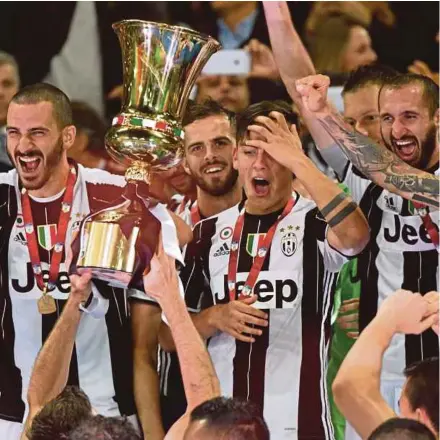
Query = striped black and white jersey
x=102 y=357
x=284 y=370
x=400 y=255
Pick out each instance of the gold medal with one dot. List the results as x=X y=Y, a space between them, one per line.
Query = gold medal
x=46 y=304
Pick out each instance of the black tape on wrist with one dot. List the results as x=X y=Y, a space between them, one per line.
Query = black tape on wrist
x=342 y=214
x=333 y=204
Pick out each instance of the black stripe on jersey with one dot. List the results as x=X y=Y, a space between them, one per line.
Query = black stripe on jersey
x=309 y=403
x=249 y=363
x=121 y=350
x=12 y=406
x=367 y=259
x=250 y=368
x=197 y=264
x=420 y=275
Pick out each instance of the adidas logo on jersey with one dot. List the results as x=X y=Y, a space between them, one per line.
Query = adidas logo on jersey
x=222 y=250
x=20 y=238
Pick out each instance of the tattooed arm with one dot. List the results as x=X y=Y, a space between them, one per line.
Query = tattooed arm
x=376 y=162
x=381 y=165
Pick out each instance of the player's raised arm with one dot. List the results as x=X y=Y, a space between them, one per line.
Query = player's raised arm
x=291 y=56
x=376 y=162
x=51 y=368
x=199 y=378
x=356 y=388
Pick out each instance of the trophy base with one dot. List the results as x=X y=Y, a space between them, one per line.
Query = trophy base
x=106 y=251
x=116 y=278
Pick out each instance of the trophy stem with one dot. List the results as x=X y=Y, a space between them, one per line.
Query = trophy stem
x=138 y=172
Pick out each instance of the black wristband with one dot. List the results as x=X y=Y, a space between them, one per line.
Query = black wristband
x=342 y=214
x=333 y=204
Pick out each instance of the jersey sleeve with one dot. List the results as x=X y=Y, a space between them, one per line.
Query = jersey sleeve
x=139 y=295
x=335 y=158
x=333 y=259
x=356 y=182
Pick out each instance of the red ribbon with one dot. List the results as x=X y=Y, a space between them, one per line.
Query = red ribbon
x=259 y=258
x=63 y=221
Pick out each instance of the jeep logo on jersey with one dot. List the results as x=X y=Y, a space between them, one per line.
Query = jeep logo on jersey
x=254 y=241
x=47 y=235
x=273 y=292
x=289 y=244
x=27 y=284
x=409 y=234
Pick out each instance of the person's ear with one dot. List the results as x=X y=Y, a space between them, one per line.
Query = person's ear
x=235 y=157
x=68 y=136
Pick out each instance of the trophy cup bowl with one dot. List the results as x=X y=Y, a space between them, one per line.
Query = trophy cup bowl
x=160 y=66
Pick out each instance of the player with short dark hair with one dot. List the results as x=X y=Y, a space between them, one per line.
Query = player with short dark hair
x=202 y=110
x=429 y=92
x=60 y=415
x=402 y=429
x=43 y=92
x=422 y=388
x=234 y=419
x=108 y=428
x=367 y=75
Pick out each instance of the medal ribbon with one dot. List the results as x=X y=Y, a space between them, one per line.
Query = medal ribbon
x=423 y=212
x=259 y=258
x=31 y=236
x=195 y=215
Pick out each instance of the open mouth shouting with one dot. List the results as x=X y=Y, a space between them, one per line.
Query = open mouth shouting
x=405 y=148
x=261 y=186
x=29 y=164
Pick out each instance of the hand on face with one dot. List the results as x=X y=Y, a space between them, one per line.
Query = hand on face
x=161 y=281
x=276 y=139
x=313 y=91
x=409 y=313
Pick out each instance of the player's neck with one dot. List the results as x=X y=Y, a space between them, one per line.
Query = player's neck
x=255 y=208
x=209 y=204
x=56 y=183
x=236 y=15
